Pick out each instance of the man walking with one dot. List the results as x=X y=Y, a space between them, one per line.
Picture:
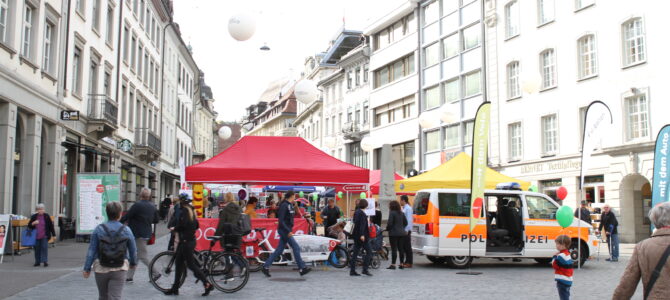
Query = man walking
x=139 y=218
x=330 y=214
x=610 y=223
x=407 y=239
x=585 y=213
x=285 y=214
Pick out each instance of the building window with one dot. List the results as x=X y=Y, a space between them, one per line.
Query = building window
x=452 y=90
x=48 y=43
x=637 y=117
x=633 y=42
x=358 y=76
x=133 y=44
x=402 y=156
x=365 y=112
x=76 y=71
x=513 y=90
x=432 y=96
x=471 y=37
x=450 y=46
x=366 y=70
x=579 y=4
x=146 y=68
x=147 y=21
x=588 y=66
x=394 y=32
x=451 y=136
x=349 y=80
x=432 y=54
x=110 y=25
x=545 y=11
x=549 y=135
x=107 y=88
x=394 y=112
x=93 y=76
x=548 y=68
x=95 y=18
x=512 y=19
x=27 y=30
x=139 y=60
x=394 y=71
x=81 y=7
x=473 y=84
x=4 y=16
x=515 y=141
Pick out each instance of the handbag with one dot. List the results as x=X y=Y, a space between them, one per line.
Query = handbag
x=28 y=238
x=656 y=273
x=152 y=239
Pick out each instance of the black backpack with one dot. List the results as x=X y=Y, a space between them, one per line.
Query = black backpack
x=112 y=248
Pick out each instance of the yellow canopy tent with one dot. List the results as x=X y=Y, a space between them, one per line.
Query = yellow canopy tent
x=454 y=174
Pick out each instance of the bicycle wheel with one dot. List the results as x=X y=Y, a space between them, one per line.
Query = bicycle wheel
x=162 y=271
x=375 y=262
x=228 y=272
x=339 y=257
x=255 y=264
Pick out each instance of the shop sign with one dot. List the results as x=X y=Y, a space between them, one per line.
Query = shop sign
x=355 y=187
x=566 y=165
x=109 y=140
x=69 y=115
x=125 y=145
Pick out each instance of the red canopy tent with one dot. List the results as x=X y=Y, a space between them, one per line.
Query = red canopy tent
x=272 y=160
x=375 y=179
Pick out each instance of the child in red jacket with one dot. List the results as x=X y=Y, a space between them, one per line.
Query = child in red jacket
x=562 y=263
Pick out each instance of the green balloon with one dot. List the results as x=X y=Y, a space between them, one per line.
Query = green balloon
x=301 y=194
x=315 y=197
x=339 y=195
x=564 y=216
x=533 y=188
x=205 y=193
x=363 y=195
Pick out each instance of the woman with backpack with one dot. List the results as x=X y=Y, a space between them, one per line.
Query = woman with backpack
x=185 y=227
x=111 y=253
x=396 y=229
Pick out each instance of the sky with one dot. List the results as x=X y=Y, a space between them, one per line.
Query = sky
x=239 y=72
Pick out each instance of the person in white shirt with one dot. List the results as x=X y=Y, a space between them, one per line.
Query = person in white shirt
x=407 y=241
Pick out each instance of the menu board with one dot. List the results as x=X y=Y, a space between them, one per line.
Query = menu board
x=4 y=232
x=94 y=191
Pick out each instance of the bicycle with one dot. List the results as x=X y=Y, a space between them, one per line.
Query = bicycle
x=338 y=256
x=227 y=271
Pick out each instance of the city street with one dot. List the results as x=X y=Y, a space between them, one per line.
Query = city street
x=500 y=280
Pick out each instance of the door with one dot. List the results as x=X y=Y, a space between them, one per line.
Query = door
x=541 y=226
x=455 y=236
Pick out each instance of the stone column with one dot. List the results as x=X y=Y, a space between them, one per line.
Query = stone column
x=30 y=166
x=8 y=134
x=52 y=173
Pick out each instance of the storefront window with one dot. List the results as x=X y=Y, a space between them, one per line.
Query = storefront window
x=549 y=187
x=357 y=156
x=402 y=156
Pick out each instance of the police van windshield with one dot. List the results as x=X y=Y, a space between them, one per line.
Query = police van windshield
x=421 y=203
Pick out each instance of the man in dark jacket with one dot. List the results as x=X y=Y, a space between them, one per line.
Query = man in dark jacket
x=285 y=214
x=585 y=213
x=139 y=218
x=361 y=236
x=610 y=223
x=330 y=214
x=165 y=207
x=229 y=216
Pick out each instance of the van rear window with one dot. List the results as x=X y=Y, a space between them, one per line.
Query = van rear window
x=421 y=203
x=455 y=205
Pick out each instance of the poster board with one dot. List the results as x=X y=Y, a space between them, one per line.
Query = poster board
x=94 y=191
x=4 y=234
x=370 y=210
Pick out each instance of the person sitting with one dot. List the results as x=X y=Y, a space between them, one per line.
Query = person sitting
x=272 y=213
x=251 y=208
x=337 y=231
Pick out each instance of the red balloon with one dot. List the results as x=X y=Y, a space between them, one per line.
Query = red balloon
x=561 y=193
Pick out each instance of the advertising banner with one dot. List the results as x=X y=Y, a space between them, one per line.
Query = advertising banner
x=659 y=190
x=480 y=140
x=94 y=190
x=208 y=228
x=4 y=232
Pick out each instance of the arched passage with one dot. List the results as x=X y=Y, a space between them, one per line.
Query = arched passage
x=635 y=195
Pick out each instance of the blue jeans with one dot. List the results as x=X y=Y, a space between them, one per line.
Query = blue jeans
x=366 y=259
x=563 y=291
x=613 y=243
x=41 y=248
x=283 y=240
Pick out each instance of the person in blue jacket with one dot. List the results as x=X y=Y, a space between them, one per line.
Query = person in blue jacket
x=285 y=214
x=361 y=236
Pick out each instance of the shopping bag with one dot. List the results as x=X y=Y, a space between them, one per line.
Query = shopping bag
x=152 y=239
x=28 y=238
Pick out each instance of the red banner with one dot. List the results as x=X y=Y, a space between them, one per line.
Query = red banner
x=208 y=227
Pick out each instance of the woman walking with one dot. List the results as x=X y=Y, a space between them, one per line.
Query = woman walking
x=110 y=271
x=361 y=236
x=396 y=229
x=41 y=223
x=186 y=224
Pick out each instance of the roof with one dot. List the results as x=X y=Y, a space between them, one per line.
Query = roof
x=454 y=174
x=273 y=160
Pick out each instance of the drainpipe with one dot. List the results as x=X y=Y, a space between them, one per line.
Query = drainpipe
x=419 y=98
x=64 y=56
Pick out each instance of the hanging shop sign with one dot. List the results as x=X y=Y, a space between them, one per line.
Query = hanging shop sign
x=69 y=115
x=125 y=145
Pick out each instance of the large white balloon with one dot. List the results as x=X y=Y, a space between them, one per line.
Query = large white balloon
x=241 y=27
x=531 y=82
x=447 y=115
x=428 y=119
x=367 y=144
x=306 y=91
x=330 y=142
x=225 y=132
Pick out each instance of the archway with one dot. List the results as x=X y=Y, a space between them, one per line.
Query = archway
x=635 y=202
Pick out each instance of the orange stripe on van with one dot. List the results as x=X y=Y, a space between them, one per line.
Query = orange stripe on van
x=464 y=229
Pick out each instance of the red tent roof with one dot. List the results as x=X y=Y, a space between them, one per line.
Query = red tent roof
x=376 y=177
x=276 y=160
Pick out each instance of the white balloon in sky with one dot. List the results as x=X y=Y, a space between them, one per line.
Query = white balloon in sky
x=368 y=144
x=428 y=119
x=306 y=91
x=446 y=114
x=225 y=132
x=241 y=26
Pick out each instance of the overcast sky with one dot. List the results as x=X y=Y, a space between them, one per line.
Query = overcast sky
x=239 y=72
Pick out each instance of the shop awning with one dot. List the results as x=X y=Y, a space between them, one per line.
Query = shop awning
x=454 y=174
x=274 y=160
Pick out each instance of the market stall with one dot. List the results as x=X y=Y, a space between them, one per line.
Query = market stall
x=453 y=174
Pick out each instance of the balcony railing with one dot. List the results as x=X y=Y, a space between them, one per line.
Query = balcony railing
x=144 y=137
x=102 y=107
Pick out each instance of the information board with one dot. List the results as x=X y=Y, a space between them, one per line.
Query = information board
x=94 y=191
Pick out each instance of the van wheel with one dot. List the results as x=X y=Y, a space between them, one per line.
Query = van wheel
x=459 y=262
x=543 y=261
x=438 y=260
x=574 y=253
